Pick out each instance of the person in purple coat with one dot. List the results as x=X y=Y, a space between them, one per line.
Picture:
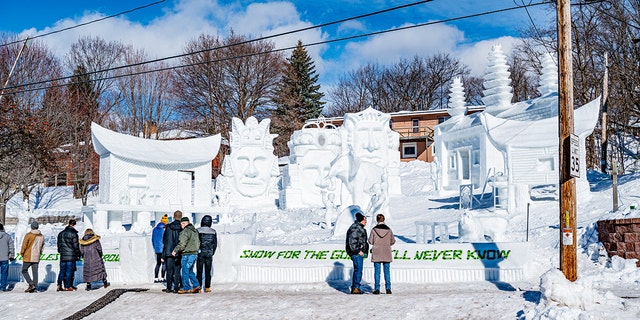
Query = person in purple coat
x=93 y=266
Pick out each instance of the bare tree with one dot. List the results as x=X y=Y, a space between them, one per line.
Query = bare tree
x=417 y=84
x=225 y=78
x=90 y=96
x=27 y=136
x=599 y=27
x=146 y=103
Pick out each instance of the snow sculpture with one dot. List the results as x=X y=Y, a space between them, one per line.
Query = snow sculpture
x=361 y=179
x=141 y=177
x=142 y=225
x=457 y=107
x=498 y=91
x=549 y=77
x=368 y=138
x=312 y=149
x=474 y=227
x=22 y=227
x=250 y=172
x=331 y=210
x=518 y=140
x=345 y=219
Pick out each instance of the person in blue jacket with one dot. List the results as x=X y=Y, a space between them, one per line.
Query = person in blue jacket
x=158 y=246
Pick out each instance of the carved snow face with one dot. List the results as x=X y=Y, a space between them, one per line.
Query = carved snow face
x=370 y=142
x=252 y=170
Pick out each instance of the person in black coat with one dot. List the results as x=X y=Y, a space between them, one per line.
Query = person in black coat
x=208 y=245
x=170 y=241
x=69 y=250
x=357 y=247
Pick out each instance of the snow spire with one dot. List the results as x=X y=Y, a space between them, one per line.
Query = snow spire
x=457 y=102
x=498 y=91
x=549 y=77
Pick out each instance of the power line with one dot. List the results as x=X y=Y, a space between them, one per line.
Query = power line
x=238 y=43
x=84 y=24
x=266 y=52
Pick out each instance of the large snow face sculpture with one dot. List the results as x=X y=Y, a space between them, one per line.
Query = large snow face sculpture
x=369 y=136
x=251 y=170
x=312 y=150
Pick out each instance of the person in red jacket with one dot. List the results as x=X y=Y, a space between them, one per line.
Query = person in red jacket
x=381 y=240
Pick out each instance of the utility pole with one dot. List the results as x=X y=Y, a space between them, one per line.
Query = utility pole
x=568 y=165
x=603 y=108
x=13 y=67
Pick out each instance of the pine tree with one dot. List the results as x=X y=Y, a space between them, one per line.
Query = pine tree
x=297 y=97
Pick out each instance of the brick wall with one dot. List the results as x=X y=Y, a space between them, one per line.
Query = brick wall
x=621 y=237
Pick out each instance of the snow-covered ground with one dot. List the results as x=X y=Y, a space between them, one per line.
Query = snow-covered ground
x=605 y=289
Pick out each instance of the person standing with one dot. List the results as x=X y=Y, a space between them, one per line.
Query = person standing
x=7 y=253
x=208 y=245
x=357 y=248
x=93 y=266
x=188 y=246
x=381 y=240
x=170 y=241
x=32 y=247
x=69 y=250
x=156 y=240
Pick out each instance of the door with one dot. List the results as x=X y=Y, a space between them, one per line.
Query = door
x=185 y=188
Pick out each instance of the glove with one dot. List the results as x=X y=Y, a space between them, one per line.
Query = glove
x=12 y=259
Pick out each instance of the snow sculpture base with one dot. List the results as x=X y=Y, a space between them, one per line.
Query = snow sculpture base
x=137 y=258
x=413 y=263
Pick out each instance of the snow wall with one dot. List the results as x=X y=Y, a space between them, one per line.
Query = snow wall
x=236 y=260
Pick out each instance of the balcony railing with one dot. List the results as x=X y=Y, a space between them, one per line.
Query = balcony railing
x=415 y=132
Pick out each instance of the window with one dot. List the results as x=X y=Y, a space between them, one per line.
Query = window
x=409 y=150
x=415 y=125
x=443 y=119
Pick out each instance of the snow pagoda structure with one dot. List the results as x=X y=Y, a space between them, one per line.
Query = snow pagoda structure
x=512 y=147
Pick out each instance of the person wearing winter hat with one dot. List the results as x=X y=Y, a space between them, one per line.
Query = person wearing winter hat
x=158 y=246
x=381 y=240
x=6 y=254
x=357 y=248
x=32 y=246
x=188 y=246
x=208 y=245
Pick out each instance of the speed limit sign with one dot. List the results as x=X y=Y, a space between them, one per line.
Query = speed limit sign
x=574 y=153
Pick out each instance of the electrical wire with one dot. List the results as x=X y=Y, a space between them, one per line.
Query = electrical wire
x=83 y=24
x=242 y=42
x=260 y=53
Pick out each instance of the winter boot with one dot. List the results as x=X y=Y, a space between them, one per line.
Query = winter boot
x=32 y=288
x=88 y=286
x=105 y=283
x=59 y=288
x=376 y=292
x=388 y=291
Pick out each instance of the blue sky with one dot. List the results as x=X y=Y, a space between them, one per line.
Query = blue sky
x=164 y=28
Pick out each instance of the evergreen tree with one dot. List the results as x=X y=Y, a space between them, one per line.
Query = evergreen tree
x=297 y=98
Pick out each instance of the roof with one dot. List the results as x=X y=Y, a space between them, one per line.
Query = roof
x=195 y=150
x=538 y=133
